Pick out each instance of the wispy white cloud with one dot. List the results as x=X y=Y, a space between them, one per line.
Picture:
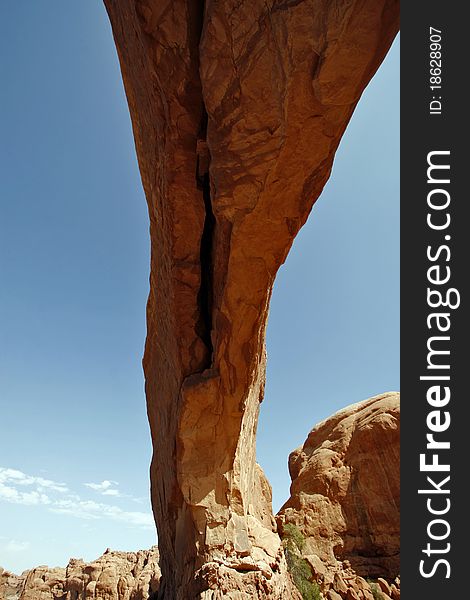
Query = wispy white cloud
x=105 y=488
x=10 y=494
x=19 y=488
x=19 y=478
x=88 y=509
x=115 y=493
x=17 y=546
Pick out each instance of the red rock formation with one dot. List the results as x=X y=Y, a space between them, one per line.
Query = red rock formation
x=345 y=492
x=112 y=576
x=237 y=110
x=11 y=585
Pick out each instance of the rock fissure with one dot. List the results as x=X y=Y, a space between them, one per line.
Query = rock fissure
x=205 y=295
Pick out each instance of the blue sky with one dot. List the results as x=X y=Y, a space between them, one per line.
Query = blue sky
x=74 y=255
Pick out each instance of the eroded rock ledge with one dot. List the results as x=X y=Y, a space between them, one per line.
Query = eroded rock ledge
x=237 y=110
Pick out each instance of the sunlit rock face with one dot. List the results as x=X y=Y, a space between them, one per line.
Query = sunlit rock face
x=345 y=492
x=237 y=110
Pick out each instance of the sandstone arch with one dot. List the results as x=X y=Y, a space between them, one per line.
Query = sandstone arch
x=237 y=110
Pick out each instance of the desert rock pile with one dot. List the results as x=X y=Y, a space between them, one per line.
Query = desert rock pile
x=113 y=576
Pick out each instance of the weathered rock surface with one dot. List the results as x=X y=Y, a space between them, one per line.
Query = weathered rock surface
x=345 y=584
x=11 y=585
x=113 y=576
x=237 y=110
x=345 y=492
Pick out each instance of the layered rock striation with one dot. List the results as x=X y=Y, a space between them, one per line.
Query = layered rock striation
x=113 y=576
x=345 y=492
x=237 y=110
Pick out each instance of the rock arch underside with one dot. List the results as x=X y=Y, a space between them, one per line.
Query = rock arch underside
x=237 y=109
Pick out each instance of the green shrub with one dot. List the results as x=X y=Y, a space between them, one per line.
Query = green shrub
x=294 y=536
x=309 y=590
x=375 y=590
x=294 y=543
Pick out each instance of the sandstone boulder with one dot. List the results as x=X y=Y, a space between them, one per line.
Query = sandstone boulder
x=384 y=586
x=345 y=492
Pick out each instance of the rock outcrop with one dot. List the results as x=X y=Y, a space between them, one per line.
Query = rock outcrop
x=237 y=111
x=113 y=576
x=11 y=585
x=345 y=492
